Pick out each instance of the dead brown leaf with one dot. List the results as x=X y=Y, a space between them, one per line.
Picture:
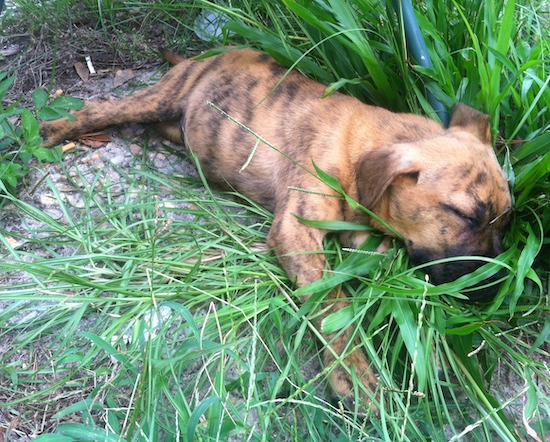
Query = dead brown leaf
x=95 y=139
x=122 y=76
x=82 y=71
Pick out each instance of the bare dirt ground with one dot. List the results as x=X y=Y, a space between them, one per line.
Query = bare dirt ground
x=39 y=64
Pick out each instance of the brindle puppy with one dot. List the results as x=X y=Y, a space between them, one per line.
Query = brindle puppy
x=441 y=190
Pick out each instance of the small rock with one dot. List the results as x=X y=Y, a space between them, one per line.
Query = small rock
x=48 y=199
x=136 y=149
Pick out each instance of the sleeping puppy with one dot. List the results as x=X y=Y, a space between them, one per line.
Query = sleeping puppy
x=442 y=190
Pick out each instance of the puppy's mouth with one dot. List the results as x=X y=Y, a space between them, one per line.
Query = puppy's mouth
x=445 y=272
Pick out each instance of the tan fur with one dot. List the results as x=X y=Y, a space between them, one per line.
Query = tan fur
x=441 y=190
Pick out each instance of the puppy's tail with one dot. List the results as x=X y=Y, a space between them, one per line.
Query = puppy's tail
x=171 y=57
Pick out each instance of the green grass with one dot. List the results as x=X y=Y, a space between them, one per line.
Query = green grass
x=166 y=321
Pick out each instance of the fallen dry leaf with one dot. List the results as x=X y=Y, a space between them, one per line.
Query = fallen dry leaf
x=122 y=76
x=95 y=139
x=82 y=71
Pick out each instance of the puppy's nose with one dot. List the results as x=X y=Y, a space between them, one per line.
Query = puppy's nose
x=482 y=291
x=450 y=271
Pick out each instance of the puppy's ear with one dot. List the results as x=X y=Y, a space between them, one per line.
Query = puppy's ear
x=378 y=169
x=472 y=121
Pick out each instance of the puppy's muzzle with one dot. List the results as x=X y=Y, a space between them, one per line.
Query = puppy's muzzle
x=450 y=271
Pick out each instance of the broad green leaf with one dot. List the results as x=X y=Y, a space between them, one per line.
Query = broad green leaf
x=10 y=172
x=88 y=433
x=338 y=320
x=67 y=103
x=29 y=125
x=464 y=330
x=40 y=98
x=84 y=405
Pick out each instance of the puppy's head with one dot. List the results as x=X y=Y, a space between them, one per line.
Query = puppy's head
x=446 y=195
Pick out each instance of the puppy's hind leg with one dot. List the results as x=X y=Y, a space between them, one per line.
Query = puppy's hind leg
x=157 y=104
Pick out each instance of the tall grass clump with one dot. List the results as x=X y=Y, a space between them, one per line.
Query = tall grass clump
x=168 y=320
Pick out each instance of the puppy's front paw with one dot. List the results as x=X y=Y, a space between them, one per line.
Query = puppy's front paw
x=342 y=381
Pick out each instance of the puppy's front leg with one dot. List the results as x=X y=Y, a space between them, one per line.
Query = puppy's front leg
x=299 y=250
